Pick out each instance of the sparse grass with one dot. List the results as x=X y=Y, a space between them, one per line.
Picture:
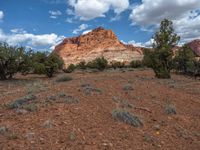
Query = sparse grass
x=61 y=95
x=12 y=136
x=64 y=78
x=88 y=89
x=70 y=100
x=170 y=109
x=127 y=117
x=128 y=87
x=62 y=98
x=19 y=103
x=36 y=87
x=72 y=136
x=122 y=103
x=3 y=129
x=48 y=124
x=30 y=107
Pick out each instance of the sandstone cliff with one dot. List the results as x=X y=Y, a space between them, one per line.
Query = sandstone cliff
x=195 y=46
x=97 y=43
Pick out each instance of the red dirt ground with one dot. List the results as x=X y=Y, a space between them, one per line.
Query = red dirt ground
x=89 y=125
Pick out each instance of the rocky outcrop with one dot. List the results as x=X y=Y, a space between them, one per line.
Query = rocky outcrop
x=97 y=43
x=195 y=46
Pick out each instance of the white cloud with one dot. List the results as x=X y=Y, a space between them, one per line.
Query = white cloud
x=69 y=20
x=55 y=1
x=181 y=12
x=55 y=14
x=69 y=11
x=139 y=44
x=86 y=32
x=31 y=40
x=18 y=30
x=90 y=9
x=80 y=28
x=1 y=15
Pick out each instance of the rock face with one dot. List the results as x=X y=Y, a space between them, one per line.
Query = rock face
x=97 y=43
x=195 y=46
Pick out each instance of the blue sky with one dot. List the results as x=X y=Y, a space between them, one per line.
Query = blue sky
x=41 y=24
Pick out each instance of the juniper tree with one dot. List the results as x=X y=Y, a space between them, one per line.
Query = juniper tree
x=164 y=41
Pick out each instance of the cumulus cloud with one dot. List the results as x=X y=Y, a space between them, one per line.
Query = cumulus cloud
x=140 y=44
x=1 y=15
x=90 y=9
x=55 y=1
x=80 y=28
x=17 y=37
x=183 y=13
x=86 y=32
x=55 y=14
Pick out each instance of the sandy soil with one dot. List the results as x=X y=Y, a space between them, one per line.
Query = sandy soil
x=86 y=123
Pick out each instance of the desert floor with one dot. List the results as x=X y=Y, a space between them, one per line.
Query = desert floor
x=77 y=114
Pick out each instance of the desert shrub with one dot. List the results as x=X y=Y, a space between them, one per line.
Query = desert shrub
x=10 y=60
x=197 y=68
x=27 y=103
x=147 y=61
x=98 y=63
x=136 y=64
x=3 y=130
x=170 y=109
x=53 y=63
x=127 y=117
x=81 y=65
x=161 y=56
x=70 y=100
x=70 y=68
x=118 y=64
x=44 y=63
x=88 y=89
x=63 y=78
x=184 y=60
x=128 y=87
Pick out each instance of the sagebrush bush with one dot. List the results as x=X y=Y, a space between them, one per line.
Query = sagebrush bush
x=19 y=103
x=127 y=117
x=170 y=109
x=63 y=78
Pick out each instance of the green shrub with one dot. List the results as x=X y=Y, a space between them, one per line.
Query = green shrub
x=64 y=78
x=10 y=60
x=98 y=63
x=127 y=117
x=136 y=64
x=43 y=63
x=81 y=65
x=70 y=68
x=118 y=64
x=184 y=60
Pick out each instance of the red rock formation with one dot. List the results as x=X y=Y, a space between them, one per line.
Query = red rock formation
x=97 y=43
x=195 y=46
